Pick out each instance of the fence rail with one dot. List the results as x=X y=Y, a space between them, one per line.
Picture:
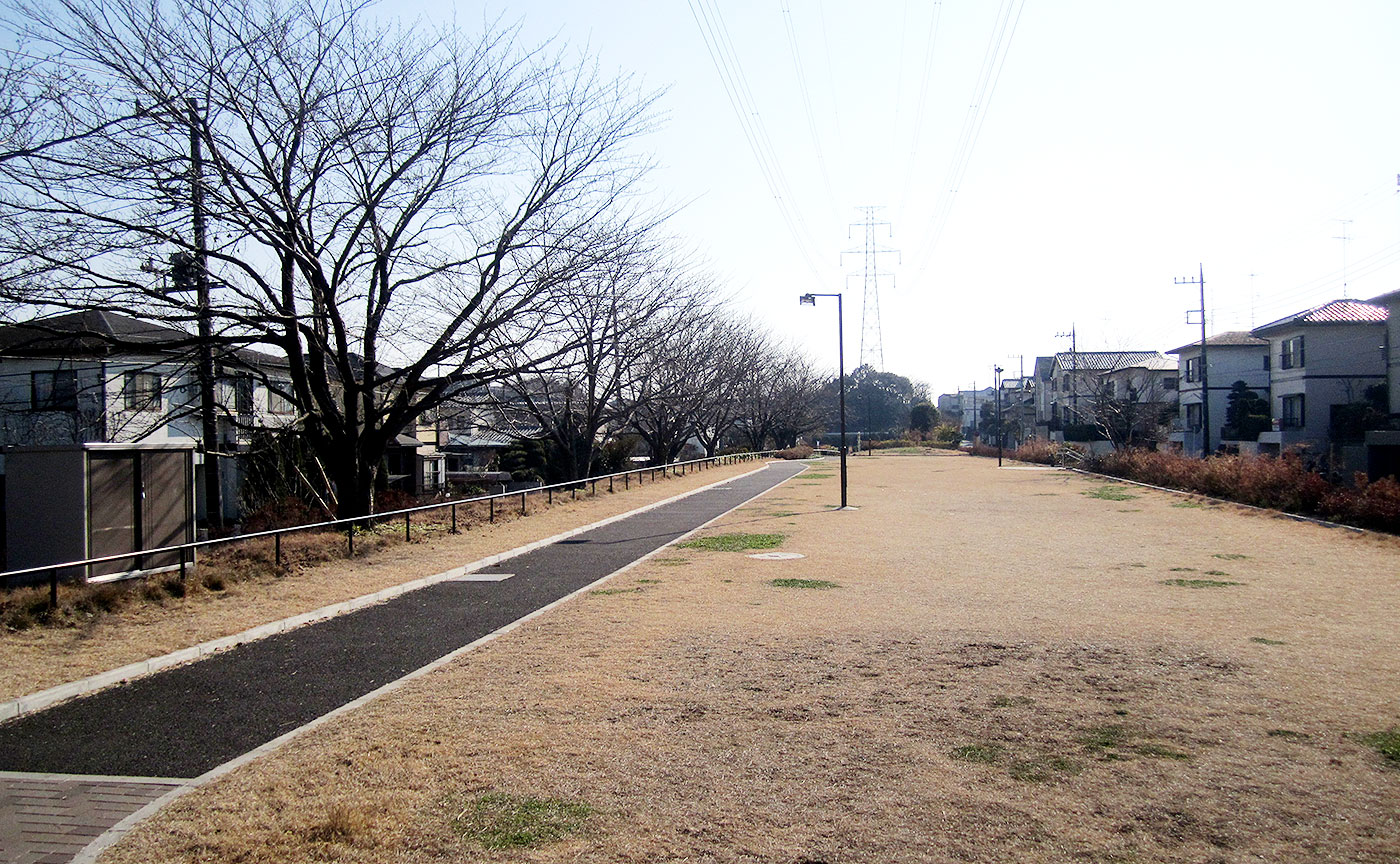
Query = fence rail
x=186 y=551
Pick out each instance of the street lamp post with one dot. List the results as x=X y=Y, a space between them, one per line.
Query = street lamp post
x=996 y=376
x=811 y=300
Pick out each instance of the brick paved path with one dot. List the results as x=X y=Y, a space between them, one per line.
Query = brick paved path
x=49 y=818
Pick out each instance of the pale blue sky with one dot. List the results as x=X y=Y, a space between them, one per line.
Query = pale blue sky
x=1124 y=142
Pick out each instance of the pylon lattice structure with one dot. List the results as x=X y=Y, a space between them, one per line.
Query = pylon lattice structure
x=872 y=347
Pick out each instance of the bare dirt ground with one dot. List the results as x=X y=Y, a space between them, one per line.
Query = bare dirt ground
x=39 y=658
x=1005 y=670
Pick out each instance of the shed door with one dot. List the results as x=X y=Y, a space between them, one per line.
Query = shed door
x=112 y=509
x=165 y=493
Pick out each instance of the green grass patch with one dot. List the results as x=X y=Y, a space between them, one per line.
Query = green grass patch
x=1200 y=583
x=1386 y=743
x=816 y=475
x=802 y=583
x=1191 y=505
x=1012 y=701
x=1264 y=640
x=1110 y=493
x=1183 y=570
x=985 y=754
x=1216 y=573
x=1131 y=510
x=672 y=562
x=1041 y=770
x=1104 y=737
x=606 y=592
x=1288 y=733
x=1229 y=556
x=648 y=581
x=498 y=821
x=783 y=514
x=735 y=542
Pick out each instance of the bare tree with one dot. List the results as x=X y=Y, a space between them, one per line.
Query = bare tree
x=780 y=399
x=598 y=342
x=400 y=213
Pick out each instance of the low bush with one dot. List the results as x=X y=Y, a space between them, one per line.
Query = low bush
x=801 y=451
x=1283 y=483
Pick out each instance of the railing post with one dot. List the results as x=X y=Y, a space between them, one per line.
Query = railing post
x=350 y=539
x=627 y=480
x=491 y=509
x=573 y=493
x=522 y=504
x=551 y=496
x=454 y=518
x=610 y=484
x=595 y=488
x=407 y=528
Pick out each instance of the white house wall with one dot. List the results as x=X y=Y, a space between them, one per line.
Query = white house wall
x=1225 y=364
x=1339 y=363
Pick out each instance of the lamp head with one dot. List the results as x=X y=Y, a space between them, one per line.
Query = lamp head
x=807 y=300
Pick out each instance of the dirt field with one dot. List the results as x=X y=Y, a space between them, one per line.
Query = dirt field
x=39 y=658
x=1014 y=665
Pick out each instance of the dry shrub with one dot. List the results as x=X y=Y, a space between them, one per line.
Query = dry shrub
x=1283 y=483
x=801 y=451
x=343 y=823
x=283 y=513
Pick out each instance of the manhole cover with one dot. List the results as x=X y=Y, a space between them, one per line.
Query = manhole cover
x=777 y=556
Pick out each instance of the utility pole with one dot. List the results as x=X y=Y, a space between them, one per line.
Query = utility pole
x=1345 y=238
x=213 y=506
x=1205 y=366
x=1073 y=371
x=996 y=377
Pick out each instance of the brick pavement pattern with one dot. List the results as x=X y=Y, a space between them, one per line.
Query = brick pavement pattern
x=49 y=818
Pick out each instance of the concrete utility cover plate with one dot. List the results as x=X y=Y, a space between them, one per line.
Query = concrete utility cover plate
x=777 y=556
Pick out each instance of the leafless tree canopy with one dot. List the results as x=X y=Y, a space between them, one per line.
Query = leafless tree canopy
x=398 y=211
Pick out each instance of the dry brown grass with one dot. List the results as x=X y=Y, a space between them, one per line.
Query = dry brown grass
x=315 y=573
x=1000 y=675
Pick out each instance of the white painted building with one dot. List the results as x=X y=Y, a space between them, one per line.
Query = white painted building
x=1232 y=356
x=1320 y=358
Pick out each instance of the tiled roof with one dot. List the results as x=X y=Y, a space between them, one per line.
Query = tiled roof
x=1335 y=312
x=102 y=333
x=1107 y=361
x=1229 y=339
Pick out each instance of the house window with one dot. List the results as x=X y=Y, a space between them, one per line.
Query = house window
x=243 y=395
x=1193 y=417
x=1267 y=362
x=1193 y=369
x=1169 y=383
x=1293 y=412
x=55 y=390
x=141 y=391
x=277 y=401
x=1291 y=355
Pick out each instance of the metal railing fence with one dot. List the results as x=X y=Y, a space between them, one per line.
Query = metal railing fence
x=186 y=551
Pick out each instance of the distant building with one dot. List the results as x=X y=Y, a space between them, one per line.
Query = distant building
x=1232 y=356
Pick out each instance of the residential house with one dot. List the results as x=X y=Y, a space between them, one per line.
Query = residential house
x=1042 y=375
x=100 y=377
x=1233 y=356
x=1137 y=399
x=1321 y=359
x=1383 y=445
x=1077 y=380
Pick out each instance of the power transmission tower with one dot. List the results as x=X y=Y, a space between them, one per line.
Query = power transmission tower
x=872 y=347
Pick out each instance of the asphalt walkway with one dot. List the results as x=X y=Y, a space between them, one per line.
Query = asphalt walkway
x=185 y=721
